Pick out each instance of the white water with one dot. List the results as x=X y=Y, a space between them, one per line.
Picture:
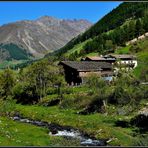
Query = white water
x=66 y=133
x=74 y=134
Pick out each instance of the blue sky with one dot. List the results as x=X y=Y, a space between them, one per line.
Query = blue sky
x=92 y=11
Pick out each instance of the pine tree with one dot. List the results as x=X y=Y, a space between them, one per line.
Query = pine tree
x=145 y=23
x=138 y=28
x=131 y=30
x=7 y=81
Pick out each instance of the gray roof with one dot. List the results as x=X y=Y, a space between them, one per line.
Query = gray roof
x=87 y=65
x=97 y=58
x=122 y=56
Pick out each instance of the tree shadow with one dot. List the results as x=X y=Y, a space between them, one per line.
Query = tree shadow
x=141 y=122
x=122 y=123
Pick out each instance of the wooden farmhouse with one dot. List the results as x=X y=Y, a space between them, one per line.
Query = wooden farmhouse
x=128 y=61
x=77 y=71
x=125 y=60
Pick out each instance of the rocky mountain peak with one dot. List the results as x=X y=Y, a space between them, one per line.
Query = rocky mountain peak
x=42 y=35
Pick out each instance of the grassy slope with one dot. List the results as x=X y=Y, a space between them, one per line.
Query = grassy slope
x=123 y=50
x=13 y=133
x=18 y=134
x=79 y=47
x=89 y=54
x=142 y=57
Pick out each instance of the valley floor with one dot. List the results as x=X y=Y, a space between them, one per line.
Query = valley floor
x=101 y=126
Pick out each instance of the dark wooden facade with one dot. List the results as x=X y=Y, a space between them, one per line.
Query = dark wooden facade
x=76 y=72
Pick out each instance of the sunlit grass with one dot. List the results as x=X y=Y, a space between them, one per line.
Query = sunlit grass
x=123 y=50
x=13 y=133
x=16 y=134
x=77 y=48
x=98 y=125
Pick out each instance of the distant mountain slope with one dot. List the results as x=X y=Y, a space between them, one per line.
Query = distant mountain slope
x=43 y=35
x=12 y=51
x=127 y=21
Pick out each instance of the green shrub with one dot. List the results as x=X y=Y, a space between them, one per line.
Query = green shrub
x=95 y=81
x=51 y=91
x=142 y=141
x=50 y=99
x=67 y=103
x=7 y=106
x=77 y=101
x=25 y=93
x=7 y=81
x=127 y=90
x=135 y=48
x=64 y=90
x=144 y=74
x=67 y=90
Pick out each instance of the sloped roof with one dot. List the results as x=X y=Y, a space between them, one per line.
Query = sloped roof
x=122 y=56
x=95 y=58
x=87 y=65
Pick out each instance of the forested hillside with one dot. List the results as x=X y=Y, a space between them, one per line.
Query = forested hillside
x=126 y=22
x=15 y=52
x=12 y=55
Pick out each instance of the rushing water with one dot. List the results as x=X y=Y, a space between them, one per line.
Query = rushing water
x=64 y=131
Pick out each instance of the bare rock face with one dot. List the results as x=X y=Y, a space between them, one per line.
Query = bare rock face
x=43 y=35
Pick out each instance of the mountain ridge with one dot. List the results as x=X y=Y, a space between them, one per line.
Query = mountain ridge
x=42 y=35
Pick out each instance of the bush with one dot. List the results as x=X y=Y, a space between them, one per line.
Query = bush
x=7 y=106
x=120 y=96
x=67 y=102
x=142 y=141
x=77 y=101
x=144 y=91
x=7 y=81
x=144 y=74
x=95 y=82
x=49 y=100
x=24 y=93
x=51 y=91
x=127 y=90
x=135 y=49
x=95 y=105
x=67 y=90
